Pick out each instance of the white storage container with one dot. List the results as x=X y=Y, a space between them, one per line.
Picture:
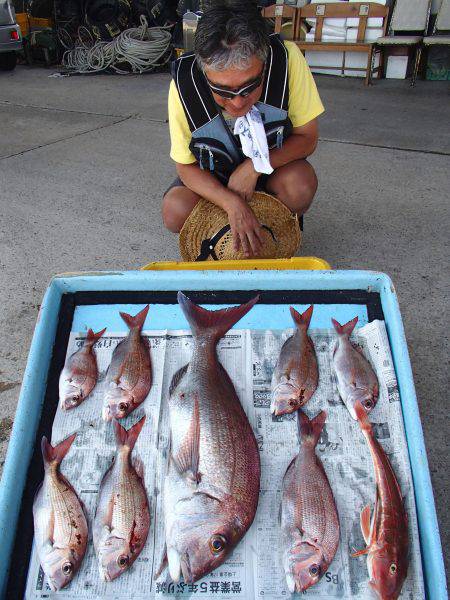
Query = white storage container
x=325 y=38
x=371 y=34
x=325 y=59
x=397 y=67
x=358 y=60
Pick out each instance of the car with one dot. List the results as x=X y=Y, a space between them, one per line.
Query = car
x=10 y=36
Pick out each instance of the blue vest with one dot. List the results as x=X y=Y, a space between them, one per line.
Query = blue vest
x=214 y=146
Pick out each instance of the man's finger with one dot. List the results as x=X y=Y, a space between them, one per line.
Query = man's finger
x=245 y=244
x=236 y=240
x=254 y=242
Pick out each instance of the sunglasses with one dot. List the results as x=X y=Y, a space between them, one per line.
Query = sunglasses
x=243 y=92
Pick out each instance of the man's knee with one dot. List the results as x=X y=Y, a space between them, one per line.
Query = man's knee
x=297 y=186
x=176 y=207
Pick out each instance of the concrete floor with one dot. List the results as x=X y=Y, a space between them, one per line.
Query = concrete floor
x=84 y=162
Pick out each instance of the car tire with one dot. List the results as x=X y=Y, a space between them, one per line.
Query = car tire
x=8 y=61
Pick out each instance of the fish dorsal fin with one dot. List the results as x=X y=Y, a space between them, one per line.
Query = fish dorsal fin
x=178 y=376
x=128 y=438
x=309 y=430
x=302 y=320
x=365 y=523
x=92 y=337
x=346 y=329
x=214 y=323
x=136 y=321
x=187 y=459
x=56 y=453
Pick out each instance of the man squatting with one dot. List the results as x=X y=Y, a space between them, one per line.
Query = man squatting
x=236 y=64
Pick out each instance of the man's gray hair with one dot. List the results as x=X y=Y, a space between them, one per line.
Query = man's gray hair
x=228 y=36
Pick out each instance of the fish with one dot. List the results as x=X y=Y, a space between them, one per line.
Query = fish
x=386 y=532
x=60 y=524
x=80 y=373
x=129 y=376
x=308 y=515
x=356 y=380
x=122 y=518
x=296 y=375
x=211 y=487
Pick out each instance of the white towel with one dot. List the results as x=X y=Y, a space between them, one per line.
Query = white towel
x=253 y=138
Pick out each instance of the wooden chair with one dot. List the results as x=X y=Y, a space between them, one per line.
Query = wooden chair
x=339 y=10
x=283 y=12
x=408 y=25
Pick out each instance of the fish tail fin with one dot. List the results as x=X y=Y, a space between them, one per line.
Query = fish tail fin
x=214 y=323
x=136 y=321
x=302 y=320
x=56 y=453
x=92 y=337
x=309 y=430
x=346 y=329
x=128 y=438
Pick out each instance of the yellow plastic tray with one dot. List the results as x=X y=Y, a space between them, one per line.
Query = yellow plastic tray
x=304 y=263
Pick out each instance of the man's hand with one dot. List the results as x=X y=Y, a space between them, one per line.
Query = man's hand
x=245 y=227
x=243 y=180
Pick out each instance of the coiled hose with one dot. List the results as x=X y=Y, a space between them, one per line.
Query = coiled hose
x=143 y=48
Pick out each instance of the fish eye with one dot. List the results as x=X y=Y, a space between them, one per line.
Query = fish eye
x=123 y=406
x=393 y=568
x=292 y=403
x=314 y=570
x=67 y=568
x=123 y=560
x=217 y=543
x=368 y=404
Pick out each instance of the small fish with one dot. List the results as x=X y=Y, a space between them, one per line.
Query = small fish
x=356 y=380
x=386 y=533
x=129 y=375
x=296 y=375
x=211 y=489
x=80 y=373
x=60 y=526
x=122 y=518
x=309 y=519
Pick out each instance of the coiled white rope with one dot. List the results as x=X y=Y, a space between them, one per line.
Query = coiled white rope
x=142 y=48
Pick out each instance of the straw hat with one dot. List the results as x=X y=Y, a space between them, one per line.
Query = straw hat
x=206 y=233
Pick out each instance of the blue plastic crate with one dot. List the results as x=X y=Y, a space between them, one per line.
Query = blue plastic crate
x=35 y=379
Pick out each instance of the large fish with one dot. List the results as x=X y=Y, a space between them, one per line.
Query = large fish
x=122 y=518
x=60 y=526
x=356 y=380
x=309 y=519
x=129 y=375
x=80 y=373
x=296 y=376
x=386 y=533
x=211 y=488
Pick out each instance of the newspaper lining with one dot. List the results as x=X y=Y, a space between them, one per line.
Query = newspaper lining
x=254 y=569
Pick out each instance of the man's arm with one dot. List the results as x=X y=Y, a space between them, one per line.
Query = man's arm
x=300 y=144
x=245 y=228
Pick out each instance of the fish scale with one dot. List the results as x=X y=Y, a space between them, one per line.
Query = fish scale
x=120 y=534
x=60 y=526
x=60 y=498
x=124 y=499
x=309 y=519
x=211 y=488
